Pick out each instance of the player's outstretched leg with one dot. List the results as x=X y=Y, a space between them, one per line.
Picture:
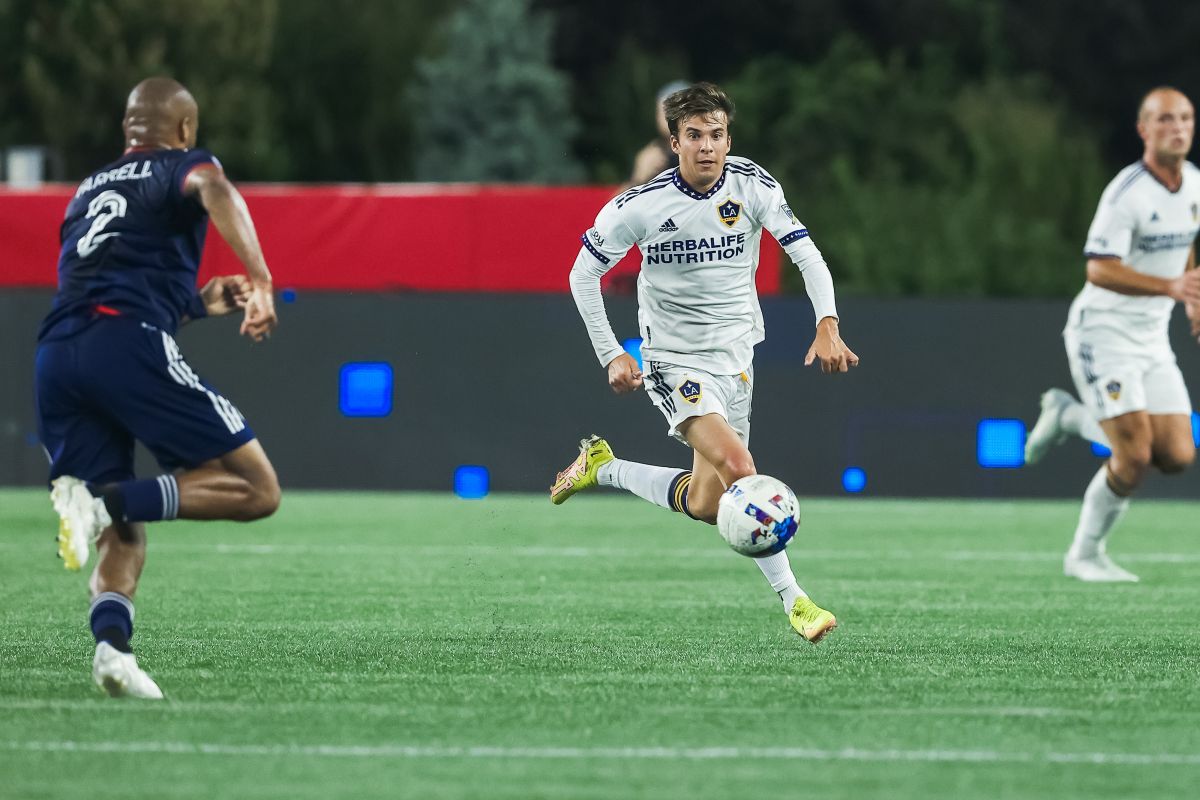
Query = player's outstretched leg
x=1061 y=416
x=240 y=485
x=583 y=472
x=666 y=487
x=81 y=518
x=1048 y=430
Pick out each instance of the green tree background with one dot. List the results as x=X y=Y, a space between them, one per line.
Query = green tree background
x=938 y=147
x=490 y=106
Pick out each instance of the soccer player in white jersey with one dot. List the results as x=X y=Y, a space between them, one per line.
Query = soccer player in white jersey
x=698 y=227
x=1141 y=261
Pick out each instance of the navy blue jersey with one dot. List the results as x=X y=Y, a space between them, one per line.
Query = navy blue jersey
x=131 y=244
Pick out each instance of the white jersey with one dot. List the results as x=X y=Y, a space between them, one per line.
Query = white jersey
x=697 y=302
x=1149 y=228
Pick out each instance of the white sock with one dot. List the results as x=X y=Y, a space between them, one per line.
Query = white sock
x=645 y=480
x=1102 y=509
x=1077 y=419
x=778 y=572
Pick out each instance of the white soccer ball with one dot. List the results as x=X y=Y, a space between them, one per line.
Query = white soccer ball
x=758 y=515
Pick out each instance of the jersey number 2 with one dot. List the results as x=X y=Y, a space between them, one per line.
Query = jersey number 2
x=105 y=207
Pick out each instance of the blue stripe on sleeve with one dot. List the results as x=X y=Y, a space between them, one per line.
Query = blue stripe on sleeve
x=603 y=259
x=794 y=236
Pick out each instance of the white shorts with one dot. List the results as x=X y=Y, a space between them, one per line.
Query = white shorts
x=1113 y=380
x=683 y=392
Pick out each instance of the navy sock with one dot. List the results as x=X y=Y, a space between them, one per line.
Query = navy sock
x=677 y=493
x=148 y=500
x=112 y=620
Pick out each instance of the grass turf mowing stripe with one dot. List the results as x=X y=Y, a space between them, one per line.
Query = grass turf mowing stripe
x=626 y=553
x=399 y=751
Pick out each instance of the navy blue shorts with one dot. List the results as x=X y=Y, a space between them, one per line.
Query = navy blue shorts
x=120 y=380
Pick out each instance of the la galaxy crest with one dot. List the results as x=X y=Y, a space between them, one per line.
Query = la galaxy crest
x=730 y=212
x=690 y=391
x=1114 y=389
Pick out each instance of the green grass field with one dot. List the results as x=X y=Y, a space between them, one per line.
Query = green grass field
x=374 y=645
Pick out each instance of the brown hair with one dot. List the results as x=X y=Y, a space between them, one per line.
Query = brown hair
x=701 y=99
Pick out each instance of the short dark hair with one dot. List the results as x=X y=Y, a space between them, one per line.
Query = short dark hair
x=700 y=99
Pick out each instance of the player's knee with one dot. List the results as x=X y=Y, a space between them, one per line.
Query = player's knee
x=737 y=466
x=1131 y=461
x=265 y=500
x=1175 y=460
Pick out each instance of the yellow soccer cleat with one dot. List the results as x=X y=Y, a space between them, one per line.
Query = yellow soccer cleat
x=594 y=452
x=810 y=620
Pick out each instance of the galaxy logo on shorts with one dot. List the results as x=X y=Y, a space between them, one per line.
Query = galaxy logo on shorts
x=690 y=391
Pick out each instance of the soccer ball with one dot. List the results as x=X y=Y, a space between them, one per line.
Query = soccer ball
x=758 y=515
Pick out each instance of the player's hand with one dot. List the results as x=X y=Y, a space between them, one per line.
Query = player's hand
x=1186 y=288
x=225 y=294
x=623 y=374
x=260 y=317
x=829 y=348
x=1193 y=315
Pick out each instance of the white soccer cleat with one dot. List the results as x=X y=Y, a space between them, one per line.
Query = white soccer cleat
x=119 y=675
x=81 y=517
x=1048 y=430
x=1096 y=569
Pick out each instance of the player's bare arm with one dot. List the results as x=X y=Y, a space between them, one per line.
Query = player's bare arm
x=231 y=216
x=1192 y=308
x=829 y=349
x=624 y=375
x=1116 y=276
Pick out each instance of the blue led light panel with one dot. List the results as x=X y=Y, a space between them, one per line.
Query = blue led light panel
x=633 y=346
x=1000 y=443
x=854 y=479
x=365 y=389
x=471 y=481
x=1196 y=428
x=1099 y=450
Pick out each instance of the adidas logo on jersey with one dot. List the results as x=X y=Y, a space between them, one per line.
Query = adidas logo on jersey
x=668 y=227
x=1154 y=216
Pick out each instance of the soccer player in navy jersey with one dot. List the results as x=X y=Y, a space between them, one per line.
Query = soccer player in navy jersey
x=109 y=371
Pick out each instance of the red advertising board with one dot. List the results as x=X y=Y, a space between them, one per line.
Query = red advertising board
x=405 y=237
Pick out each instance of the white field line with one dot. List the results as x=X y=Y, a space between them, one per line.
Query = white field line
x=390 y=709
x=399 y=751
